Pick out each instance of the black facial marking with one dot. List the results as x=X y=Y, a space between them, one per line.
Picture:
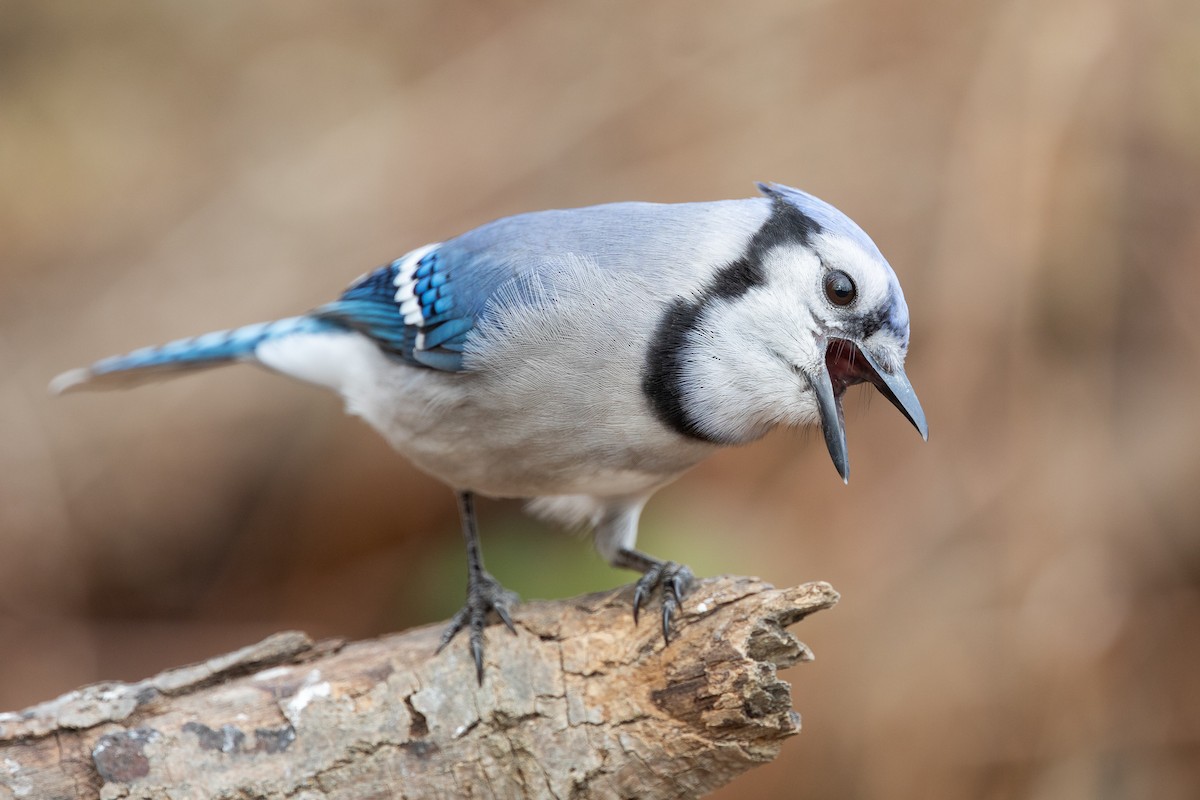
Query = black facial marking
x=736 y=279
x=869 y=323
x=786 y=225
x=663 y=372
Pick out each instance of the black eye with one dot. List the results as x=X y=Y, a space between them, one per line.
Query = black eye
x=839 y=288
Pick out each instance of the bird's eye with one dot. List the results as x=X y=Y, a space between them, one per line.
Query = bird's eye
x=839 y=288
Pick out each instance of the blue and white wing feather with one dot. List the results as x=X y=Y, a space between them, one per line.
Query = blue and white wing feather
x=414 y=308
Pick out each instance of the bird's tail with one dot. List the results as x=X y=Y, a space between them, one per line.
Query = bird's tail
x=197 y=352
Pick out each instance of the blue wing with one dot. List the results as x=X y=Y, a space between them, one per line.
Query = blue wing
x=413 y=309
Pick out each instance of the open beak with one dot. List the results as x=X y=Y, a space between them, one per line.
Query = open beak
x=845 y=365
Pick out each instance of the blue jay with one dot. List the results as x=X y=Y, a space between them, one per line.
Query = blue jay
x=583 y=358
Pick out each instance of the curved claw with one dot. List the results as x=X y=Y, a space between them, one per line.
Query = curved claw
x=680 y=582
x=456 y=624
x=477 y=650
x=502 y=613
x=645 y=585
x=484 y=595
x=668 y=607
x=673 y=580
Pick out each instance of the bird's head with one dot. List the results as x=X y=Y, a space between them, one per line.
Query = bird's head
x=811 y=309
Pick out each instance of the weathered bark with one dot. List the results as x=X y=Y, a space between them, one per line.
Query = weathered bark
x=579 y=704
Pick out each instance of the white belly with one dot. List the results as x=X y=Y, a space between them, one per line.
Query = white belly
x=473 y=435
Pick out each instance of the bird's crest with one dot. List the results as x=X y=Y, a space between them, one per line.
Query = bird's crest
x=827 y=218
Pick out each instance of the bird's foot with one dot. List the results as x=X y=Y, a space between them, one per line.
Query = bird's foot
x=484 y=595
x=673 y=580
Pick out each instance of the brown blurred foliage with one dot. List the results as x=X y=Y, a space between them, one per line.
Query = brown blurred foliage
x=1021 y=613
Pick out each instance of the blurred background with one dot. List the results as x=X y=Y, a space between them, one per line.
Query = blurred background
x=1021 y=595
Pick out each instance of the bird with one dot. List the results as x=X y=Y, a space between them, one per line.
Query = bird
x=581 y=359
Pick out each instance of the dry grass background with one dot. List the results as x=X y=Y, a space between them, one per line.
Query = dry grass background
x=1021 y=613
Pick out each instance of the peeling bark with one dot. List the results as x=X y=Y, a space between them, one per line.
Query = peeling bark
x=579 y=704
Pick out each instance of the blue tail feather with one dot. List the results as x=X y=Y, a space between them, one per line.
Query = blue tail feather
x=197 y=352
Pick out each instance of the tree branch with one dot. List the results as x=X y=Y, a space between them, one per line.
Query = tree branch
x=579 y=704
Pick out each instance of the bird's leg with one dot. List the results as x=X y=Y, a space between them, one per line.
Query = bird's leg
x=673 y=579
x=484 y=593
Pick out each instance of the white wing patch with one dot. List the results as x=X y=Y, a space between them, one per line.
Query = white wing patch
x=406 y=283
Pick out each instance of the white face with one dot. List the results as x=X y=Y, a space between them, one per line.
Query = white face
x=751 y=354
x=873 y=315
